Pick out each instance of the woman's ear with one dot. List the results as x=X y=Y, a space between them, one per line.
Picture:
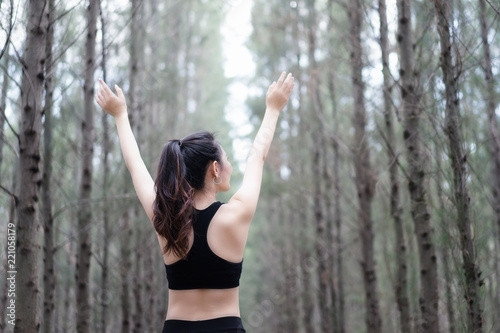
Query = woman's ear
x=215 y=168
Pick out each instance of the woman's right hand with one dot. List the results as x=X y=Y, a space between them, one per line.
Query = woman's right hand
x=113 y=104
x=279 y=92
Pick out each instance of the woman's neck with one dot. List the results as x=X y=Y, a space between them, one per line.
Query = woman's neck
x=203 y=198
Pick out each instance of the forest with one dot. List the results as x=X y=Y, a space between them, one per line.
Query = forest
x=380 y=203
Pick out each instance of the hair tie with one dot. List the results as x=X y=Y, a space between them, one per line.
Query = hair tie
x=180 y=143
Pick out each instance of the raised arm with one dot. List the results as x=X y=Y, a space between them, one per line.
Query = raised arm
x=115 y=105
x=245 y=199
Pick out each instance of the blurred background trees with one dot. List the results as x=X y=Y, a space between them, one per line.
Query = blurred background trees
x=380 y=204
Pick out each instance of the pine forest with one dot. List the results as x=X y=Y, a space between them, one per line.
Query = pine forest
x=380 y=203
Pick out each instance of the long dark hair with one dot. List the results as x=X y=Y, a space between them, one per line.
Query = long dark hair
x=181 y=170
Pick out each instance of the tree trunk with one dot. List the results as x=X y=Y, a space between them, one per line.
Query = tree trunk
x=136 y=65
x=3 y=103
x=125 y=271
x=135 y=93
x=401 y=283
x=494 y=285
x=174 y=112
x=321 y=249
x=292 y=276
x=292 y=312
x=458 y=163
x=11 y=221
x=153 y=43
x=83 y=312
x=335 y=221
x=492 y=102
x=150 y=288
x=338 y=300
x=49 y=277
x=307 y=294
x=494 y=137
x=364 y=174
x=138 y=280
x=30 y=176
x=106 y=149
x=324 y=279
x=444 y=251
x=429 y=296
x=68 y=297
x=338 y=258
x=450 y=312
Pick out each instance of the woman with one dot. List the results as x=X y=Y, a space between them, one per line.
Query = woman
x=202 y=240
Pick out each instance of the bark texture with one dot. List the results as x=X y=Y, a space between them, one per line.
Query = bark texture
x=459 y=166
x=338 y=299
x=136 y=65
x=321 y=247
x=443 y=250
x=11 y=220
x=291 y=278
x=429 y=296
x=491 y=104
x=494 y=137
x=106 y=150
x=401 y=281
x=3 y=104
x=137 y=286
x=364 y=174
x=84 y=251
x=136 y=114
x=30 y=175
x=308 y=302
x=49 y=277
x=125 y=272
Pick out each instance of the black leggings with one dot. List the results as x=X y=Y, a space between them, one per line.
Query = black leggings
x=217 y=325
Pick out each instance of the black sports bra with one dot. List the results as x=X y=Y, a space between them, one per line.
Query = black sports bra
x=202 y=268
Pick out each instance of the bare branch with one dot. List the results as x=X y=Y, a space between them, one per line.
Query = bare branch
x=92 y=201
x=10 y=125
x=66 y=12
x=6 y=190
x=491 y=5
x=12 y=22
x=389 y=147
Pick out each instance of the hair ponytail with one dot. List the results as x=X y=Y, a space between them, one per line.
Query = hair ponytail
x=181 y=170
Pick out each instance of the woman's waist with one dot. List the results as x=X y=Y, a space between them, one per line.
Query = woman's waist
x=203 y=304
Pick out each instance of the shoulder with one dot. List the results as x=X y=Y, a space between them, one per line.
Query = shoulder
x=228 y=232
x=234 y=212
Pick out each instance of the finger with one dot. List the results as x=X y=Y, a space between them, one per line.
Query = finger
x=271 y=87
x=281 y=78
x=105 y=89
x=119 y=91
x=289 y=82
x=99 y=101
x=102 y=90
x=100 y=95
